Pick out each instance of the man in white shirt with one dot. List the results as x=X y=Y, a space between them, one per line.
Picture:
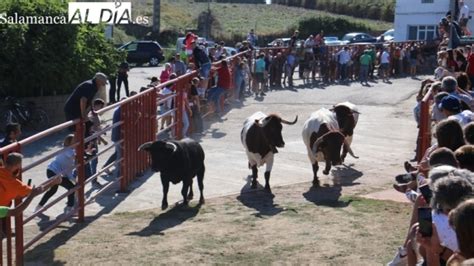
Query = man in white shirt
x=343 y=57
x=464 y=17
x=384 y=65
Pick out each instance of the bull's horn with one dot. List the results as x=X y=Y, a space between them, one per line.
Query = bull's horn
x=262 y=122
x=145 y=146
x=357 y=112
x=349 y=149
x=171 y=145
x=289 y=123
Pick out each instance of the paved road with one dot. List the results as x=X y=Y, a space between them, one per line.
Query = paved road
x=384 y=138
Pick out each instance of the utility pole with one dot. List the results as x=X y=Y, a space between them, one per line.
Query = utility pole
x=452 y=8
x=208 y=31
x=156 y=16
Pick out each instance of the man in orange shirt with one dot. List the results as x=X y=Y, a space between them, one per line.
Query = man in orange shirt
x=10 y=187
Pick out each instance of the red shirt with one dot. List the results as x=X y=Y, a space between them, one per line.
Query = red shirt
x=470 y=69
x=165 y=76
x=11 y=188
x=223 y=78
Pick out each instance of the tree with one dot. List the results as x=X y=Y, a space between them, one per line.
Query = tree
x=38 y=60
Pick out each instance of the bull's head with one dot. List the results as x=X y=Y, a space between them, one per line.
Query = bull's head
x=161 y=153
x=345 y=119
x=272 y=127
x=330 y=145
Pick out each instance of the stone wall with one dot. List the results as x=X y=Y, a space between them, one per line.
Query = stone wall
x=53 y=105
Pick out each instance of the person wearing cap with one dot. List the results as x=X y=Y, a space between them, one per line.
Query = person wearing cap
x=80 y=100
x=450 y=106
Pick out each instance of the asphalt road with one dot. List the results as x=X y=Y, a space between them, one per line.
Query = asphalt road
x=384 y=137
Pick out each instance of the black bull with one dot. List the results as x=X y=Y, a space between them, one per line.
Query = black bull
x=177 y=160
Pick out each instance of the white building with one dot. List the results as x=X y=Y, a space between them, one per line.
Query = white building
x=418 y=19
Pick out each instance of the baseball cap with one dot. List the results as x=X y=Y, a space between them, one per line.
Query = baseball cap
x=101 y=76
x=450 y=103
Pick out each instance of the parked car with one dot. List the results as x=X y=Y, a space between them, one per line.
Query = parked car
x=140 y=52
x=284 y=41
x=387 y=36
x=332 y=40
x=358 y=37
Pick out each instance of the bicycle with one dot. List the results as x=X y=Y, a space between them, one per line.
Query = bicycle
x=28 y=115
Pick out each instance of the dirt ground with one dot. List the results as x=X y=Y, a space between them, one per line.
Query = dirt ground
x=299 y=225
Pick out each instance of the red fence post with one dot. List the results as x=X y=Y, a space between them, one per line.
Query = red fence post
x=424 y=132
x=19 y=240
x=179 y=108
x=81 y=175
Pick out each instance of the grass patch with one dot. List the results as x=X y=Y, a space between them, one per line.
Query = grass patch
x=238 y=19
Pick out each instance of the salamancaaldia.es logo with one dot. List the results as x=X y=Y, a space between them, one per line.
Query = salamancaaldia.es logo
x=117 y=12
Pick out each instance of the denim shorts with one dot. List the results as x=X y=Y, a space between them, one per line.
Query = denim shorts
x=205 y=70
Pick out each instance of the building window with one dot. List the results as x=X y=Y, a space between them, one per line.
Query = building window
x=427 y=1
x=422 y=32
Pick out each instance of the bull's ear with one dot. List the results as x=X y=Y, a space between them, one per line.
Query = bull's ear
x=171 y=146
x=145 y=146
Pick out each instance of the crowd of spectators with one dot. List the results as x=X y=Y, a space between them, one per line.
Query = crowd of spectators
x=441 y=185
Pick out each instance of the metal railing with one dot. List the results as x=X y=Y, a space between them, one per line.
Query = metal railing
x=139 y=123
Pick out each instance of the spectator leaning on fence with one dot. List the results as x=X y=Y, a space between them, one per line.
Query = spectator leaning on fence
x=80 y=100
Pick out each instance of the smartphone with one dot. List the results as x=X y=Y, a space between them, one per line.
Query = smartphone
x=426 y=192
x=425 y=222
x=29 y=182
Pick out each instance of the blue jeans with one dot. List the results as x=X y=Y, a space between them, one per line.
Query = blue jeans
x=364 y=72
x=214 y=95
x=118 y=152
x=205 y=70
x=238 y=86
x=185 y=123
x=343 y=71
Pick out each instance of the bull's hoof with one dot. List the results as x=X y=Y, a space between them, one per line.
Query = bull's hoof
x=315 y=183
x=185 y=204
x=164 y=205
x=190 y=196
x=254 y=185
x=268 y=189
x=326 y=172
x=202 y=201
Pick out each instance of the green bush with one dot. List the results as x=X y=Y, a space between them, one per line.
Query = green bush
x=372 y=9
x=40 y=60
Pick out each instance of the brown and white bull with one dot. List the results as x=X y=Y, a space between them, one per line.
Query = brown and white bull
x=261 y=135
x=325 y=132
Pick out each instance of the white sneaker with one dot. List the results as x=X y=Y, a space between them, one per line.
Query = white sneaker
x=400 y=258
x=411 y=195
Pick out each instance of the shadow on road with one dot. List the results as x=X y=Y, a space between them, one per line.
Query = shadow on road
x=44 y=253
x=166 y=220
x=326 y=196
x=258 y=199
